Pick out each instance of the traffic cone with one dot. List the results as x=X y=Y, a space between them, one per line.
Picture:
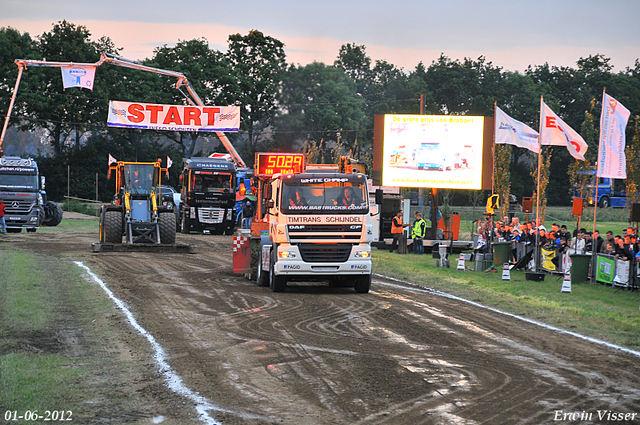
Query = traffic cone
x=566 y=282
x=461 y=265
x=506 y=274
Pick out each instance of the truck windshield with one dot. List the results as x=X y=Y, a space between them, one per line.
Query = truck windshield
x=139 y=178
x=19 y=182
x=313 y=194
x=209 y=181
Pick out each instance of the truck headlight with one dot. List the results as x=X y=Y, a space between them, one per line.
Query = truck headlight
x=362 y=254
x=286 y=254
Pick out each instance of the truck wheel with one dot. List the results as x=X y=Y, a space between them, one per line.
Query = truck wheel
x=113 y=227
x=167 y=224
x=177 y=214
x=277 y=283
x=185 y=224
x=605 y=202
x=102 y=225
x=52 y=214
x=363 y=284
x=263 y=275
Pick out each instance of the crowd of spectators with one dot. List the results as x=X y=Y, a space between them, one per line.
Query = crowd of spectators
x=623 y=247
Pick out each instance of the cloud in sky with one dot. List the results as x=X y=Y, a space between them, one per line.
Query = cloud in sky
x=511 y=34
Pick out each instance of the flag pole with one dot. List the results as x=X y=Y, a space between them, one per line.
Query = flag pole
x=493 y=174
x=538 y=223
x=539 y=166
x=595 y=203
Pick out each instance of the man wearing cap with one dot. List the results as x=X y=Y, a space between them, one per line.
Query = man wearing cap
x=542 y=240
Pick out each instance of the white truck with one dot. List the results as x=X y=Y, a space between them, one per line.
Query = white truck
x=319 y=229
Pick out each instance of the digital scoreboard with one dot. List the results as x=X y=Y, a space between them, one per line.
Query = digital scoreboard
x=268 y=164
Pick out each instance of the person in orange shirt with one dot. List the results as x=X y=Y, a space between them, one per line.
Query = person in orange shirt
x=396 y=230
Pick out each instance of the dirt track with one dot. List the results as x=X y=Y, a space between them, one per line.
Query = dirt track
x=320 y=355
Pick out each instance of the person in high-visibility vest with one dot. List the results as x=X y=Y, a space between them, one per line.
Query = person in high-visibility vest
x=396 y=230
x=418 y=232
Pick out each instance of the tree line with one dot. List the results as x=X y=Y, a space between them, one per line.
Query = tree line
x=324 y=110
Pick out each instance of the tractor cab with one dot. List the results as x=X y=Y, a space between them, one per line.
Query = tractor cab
x=141 y=180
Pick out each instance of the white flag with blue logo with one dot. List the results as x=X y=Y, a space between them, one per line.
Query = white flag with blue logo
x=612 y=161
x=513 y=132
x=78 y=76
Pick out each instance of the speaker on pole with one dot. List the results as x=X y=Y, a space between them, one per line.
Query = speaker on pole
x=577 y=206
x=527 y=205
x=635 y=212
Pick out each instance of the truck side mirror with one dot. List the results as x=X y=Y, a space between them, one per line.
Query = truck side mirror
x=379 y=196
x=42 y=182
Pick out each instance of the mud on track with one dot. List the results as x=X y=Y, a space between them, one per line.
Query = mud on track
x=320 y=355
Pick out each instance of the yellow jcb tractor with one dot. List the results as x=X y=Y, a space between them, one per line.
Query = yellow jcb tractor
x=136 y=211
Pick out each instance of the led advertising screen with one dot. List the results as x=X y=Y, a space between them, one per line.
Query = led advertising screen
x=433 y=151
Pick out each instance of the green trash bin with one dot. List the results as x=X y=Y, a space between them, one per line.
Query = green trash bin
x=501 y=253
x=580 y=267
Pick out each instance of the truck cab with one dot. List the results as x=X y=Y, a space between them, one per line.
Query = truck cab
x=611 y=193
x=319 y=229
x=20 y=191
x=207 y=191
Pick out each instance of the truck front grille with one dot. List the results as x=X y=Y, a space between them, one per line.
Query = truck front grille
x=325 y=253
x=18 y=207
x=211 y=215
x=345 y=232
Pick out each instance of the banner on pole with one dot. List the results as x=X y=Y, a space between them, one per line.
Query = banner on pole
x=549 y=259
x=612 y=162
x=622 y=273
x=78 y=76
x=605 y=269
x=555 y=132
x=513 y=132
x=173 y=117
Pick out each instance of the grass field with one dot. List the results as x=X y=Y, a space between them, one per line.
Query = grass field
x=593 y=310
x=36 y=374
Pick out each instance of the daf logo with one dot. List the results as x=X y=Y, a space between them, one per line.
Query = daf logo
x=355 y=227
x=15 y=204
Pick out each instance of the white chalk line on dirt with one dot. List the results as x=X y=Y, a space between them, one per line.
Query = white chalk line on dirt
x=413 y=286
x=173 y=380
